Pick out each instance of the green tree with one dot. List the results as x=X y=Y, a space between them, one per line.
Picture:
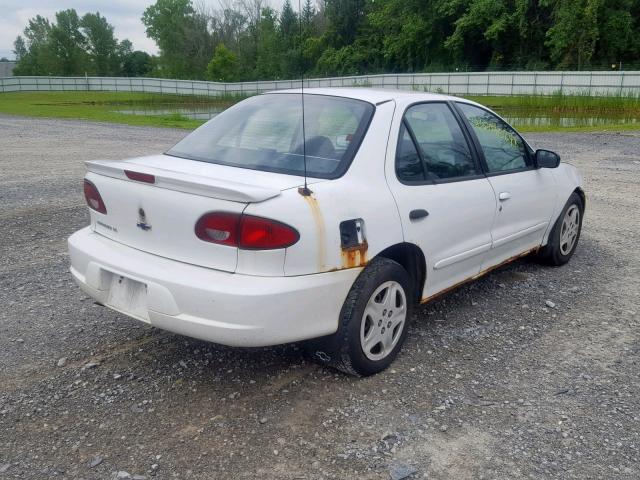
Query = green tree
x=573 y=36
x=288 y=25
x=289 y=50
x=619 y=22
x=35 y=54
x=167 y=22
x=486 y=34
x=345 y=19
x=101 y=45
x=223 y=67
x=403 y=29
x=67 y=44
x=308 y=13
x=20 y=48
x=267 y=65
x=339 y=37
x=136 y=64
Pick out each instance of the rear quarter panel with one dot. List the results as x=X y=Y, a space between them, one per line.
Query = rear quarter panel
x=362 y=193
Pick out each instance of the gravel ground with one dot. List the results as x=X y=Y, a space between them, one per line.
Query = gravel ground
x=492 y=382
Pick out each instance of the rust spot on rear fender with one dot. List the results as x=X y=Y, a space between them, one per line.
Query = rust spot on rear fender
x=318 y=221
x=353 y=257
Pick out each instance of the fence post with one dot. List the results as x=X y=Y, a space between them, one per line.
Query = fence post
x=590 y=81
x=561 y=83
x=535 y=83
x=621 y=82
x=512 y=75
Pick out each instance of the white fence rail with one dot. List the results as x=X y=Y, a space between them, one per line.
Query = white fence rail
x=481 y=83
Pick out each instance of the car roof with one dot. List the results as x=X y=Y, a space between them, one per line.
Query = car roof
x=371 y=95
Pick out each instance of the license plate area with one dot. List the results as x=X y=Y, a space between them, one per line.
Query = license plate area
x=127 y=296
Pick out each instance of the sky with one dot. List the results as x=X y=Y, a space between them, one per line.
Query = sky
x=124 y=15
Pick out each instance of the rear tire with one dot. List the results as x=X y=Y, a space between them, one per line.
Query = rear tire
x=564 y=237
x=373 y=323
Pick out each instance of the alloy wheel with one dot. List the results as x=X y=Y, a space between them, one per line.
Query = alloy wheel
x=570 y=229
x=383 y=320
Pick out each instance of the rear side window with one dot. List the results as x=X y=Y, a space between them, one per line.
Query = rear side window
x=438 y=140
x=503 y=148
x=265 y=133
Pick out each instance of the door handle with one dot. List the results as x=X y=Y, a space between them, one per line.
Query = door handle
x=504 y=196
x=418 y=214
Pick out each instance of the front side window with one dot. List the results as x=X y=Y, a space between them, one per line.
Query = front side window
x=440 y=142
x=265 y=133
x=503 y=149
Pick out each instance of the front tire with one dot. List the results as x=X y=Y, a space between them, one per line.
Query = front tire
x=373 y=322
x=563 y=239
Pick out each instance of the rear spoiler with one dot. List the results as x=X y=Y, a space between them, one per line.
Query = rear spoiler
x=181 y=182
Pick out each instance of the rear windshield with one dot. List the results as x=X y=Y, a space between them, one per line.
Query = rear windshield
x=265 y=133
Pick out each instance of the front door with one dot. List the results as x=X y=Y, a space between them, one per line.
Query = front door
x=525 y=195
x=446 y=204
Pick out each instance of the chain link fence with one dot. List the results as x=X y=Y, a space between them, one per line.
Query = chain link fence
x=483 y=83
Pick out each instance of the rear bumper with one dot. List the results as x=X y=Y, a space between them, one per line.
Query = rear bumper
x=227 y=308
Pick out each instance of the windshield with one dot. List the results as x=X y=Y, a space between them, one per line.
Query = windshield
x=265 y=133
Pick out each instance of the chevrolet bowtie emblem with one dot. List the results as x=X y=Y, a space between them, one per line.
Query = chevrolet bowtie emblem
x=142 y=221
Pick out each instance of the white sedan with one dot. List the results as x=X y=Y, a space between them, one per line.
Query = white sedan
x=407 y=196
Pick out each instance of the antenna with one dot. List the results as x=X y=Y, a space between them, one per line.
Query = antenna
x=305 y=190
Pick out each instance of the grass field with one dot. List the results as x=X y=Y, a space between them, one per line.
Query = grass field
x=621 y=113
x=104 y=106
x=567 y=103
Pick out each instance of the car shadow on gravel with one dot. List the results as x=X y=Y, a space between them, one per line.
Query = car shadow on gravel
x=510 y=300
x=519 y=302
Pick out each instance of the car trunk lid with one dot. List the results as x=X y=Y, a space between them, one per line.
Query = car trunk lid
x=158 y=214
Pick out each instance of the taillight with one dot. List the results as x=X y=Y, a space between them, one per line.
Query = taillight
x=258 y=233
x=93 y=198
x=140 y=177
x=245 y=231
x=219 y=227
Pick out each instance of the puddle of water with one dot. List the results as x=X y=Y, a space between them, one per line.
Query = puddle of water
x=520 y=117
x=538 y=118
x=192 y=112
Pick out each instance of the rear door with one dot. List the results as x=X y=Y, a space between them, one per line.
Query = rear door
x=525 y=195
x=446 y=204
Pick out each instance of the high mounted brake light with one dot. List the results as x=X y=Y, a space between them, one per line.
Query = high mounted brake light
x=93 y=198
x=140 y=177
x=245 y=231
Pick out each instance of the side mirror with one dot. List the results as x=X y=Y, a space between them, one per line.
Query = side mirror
x=547 y=159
